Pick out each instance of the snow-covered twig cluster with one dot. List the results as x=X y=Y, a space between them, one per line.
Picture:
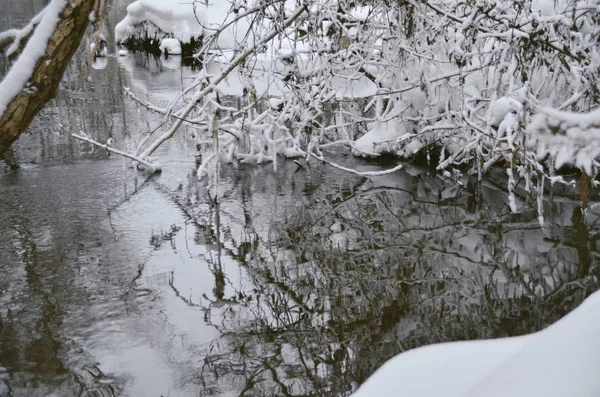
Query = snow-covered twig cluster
x=457 y=81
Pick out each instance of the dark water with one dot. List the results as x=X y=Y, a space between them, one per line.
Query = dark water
x=296 y=282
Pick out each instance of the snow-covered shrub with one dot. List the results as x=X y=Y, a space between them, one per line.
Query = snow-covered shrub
x=458 y=78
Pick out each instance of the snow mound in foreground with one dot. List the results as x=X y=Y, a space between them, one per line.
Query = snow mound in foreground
x=561 y=360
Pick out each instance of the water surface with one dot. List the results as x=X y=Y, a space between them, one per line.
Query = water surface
x=300 y=281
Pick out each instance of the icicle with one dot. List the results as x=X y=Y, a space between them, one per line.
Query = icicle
x=511 y=193
x=540 y=200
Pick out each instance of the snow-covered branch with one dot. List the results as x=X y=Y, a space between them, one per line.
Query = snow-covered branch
x=457 y=82
x=200 y=94
x=153 y=167
x=568 y=138
x=16 y=39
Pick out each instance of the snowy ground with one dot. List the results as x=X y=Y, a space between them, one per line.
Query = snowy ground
x=541 y=364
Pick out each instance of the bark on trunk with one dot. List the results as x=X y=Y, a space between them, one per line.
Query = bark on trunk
x=48 y=71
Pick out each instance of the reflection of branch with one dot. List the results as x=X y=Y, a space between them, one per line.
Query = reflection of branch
x=132 y=284
x=458 y=256
x=579 y=283
x=283 y=388
x=178 y=294
x=250 y=380
x=309 y=374
x=376 y=190
x=264 y=280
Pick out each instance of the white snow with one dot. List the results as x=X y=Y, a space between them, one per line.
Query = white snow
x=172 y=17
x=380 y=138
x=170 y=46
x=508 y=124
x=123 y=53
x=501 y=107
x=22 y=70
x=569 y=138
x=18 y=35
x=183 y=21
x=361 y=13
x=549 y=7
x=561 y=360
x=100 y=63
x=393 y=134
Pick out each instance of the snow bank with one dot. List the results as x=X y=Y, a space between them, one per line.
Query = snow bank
x=16 y=79
x=184 y=21
x=448 y=370
x=561 y=360
x=163 y=17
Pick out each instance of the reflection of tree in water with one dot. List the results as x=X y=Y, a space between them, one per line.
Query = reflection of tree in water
x=39 y=359
x=367 y=271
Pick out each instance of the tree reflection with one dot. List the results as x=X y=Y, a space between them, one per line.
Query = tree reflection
x=363 y=271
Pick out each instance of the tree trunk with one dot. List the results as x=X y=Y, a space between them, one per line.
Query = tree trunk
x=48 y=71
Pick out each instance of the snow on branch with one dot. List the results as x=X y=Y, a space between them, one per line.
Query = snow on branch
x=22 y=70
x=34 y=78
x=15 y=39
x=153 y=167
x=569 y=138
x=457 y=82
x=200 y=94
x=355 y=172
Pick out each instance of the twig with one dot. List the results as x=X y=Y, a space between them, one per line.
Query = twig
x=515 y=31
x=149 y=166
x=145 y=104
x=355 y=172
